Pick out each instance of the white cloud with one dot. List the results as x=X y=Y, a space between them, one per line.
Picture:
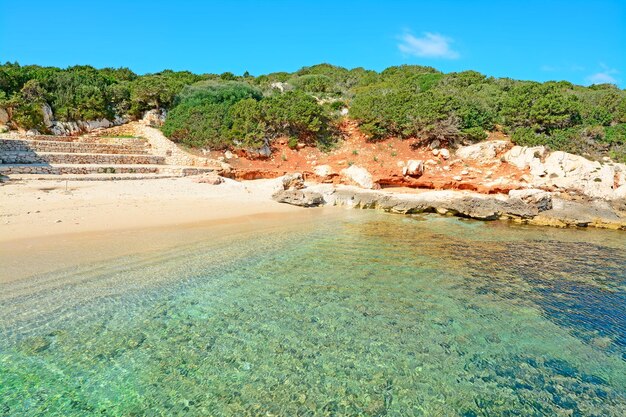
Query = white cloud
x=432 y=45
x=601 y=78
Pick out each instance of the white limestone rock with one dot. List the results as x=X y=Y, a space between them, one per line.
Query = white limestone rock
x=523 y=157
x=323 y=171
x=413 y=168
x=48 y=117
x=358 y=176
x=483 y=152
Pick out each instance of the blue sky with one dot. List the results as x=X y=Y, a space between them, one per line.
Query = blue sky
x=578 y=41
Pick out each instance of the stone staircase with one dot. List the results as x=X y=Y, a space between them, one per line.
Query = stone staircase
x=87 y=158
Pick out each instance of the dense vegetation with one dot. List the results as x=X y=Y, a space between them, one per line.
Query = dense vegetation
x=226 y=110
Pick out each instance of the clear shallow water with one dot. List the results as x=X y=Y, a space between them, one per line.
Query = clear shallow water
x=361 y=314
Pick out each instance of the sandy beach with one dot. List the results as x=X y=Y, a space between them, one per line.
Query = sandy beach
x=49 y=224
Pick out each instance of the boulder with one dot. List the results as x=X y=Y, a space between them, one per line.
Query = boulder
x=299 y=198
x=32 y=132
x=358 y=176
x=413 y=168
x=323 y=171
x=445 y=154
x=522 y=156
x=483 y=152
x=4 y=116
x=293 y=181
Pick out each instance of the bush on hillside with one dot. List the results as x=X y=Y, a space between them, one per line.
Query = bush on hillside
x=202 y=116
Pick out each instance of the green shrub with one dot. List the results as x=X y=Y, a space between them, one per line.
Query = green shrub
x=313 y=83
x=615 y=135
x=296 y=114
x=248 y=127
x=474 y=134
x=202 y=116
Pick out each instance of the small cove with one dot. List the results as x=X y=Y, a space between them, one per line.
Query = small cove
x=358 y=313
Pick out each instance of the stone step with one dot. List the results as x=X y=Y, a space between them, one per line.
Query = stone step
x=90 y=177
x=21 y=157
x=59 y=169
x=56 y=169
x=100 y=158
x=88 y=139
x=70 y=147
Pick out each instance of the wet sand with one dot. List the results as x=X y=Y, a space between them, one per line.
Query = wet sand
x=44 y=226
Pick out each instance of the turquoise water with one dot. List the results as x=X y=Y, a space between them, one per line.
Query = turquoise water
x=362 y=314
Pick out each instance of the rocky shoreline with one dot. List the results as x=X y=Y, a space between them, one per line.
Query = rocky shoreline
x=531 y=206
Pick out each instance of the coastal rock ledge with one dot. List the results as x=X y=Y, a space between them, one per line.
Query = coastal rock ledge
x=530 y=206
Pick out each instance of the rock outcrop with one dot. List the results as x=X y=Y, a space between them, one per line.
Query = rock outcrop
x=568 y=172
x=484 y=152
x=526 y=206
x=299 y=198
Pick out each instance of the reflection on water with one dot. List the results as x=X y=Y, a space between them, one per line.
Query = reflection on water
x=367 y=314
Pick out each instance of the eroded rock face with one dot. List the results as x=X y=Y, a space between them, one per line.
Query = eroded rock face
x=484 y=152
x=569 y=172
x=572 y=213
x=538 y=198
x=358 y=176
x=572 y=172
x=299 y=198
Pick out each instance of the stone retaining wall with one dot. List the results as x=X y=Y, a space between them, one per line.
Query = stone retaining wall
x=78 y=158
x=28 y=157
x=95 y=169
x=87 y=169
x=69 y=147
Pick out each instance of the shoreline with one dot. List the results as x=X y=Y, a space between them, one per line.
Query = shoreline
x=39 y=209
x=105 y=219
x=44 y=226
